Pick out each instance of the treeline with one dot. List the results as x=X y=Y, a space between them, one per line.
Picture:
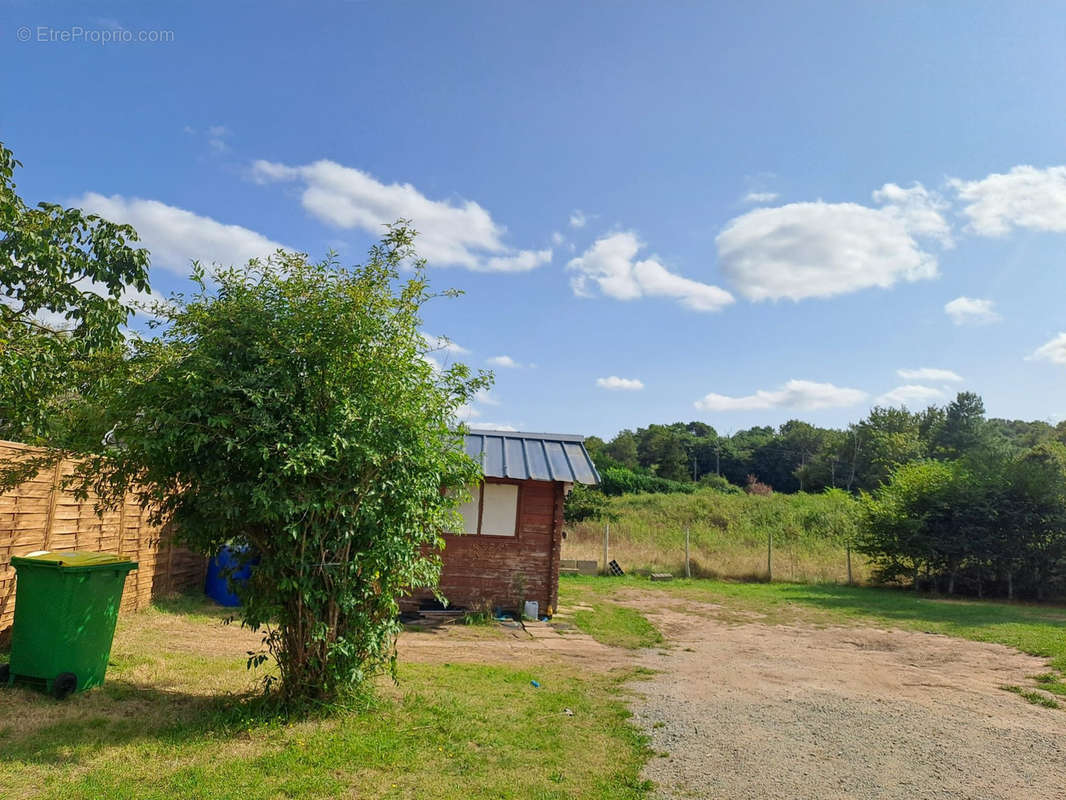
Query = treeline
x=948 y=501
x=798 y=456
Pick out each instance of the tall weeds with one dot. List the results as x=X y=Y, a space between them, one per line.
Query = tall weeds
x=728 y=535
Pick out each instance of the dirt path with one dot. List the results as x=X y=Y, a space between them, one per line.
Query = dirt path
x=756 y=711
x=532 y=643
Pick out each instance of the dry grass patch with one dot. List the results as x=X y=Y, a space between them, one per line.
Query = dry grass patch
x=177 y=718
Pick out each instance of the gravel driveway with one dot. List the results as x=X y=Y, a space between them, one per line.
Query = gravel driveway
x=747 y=710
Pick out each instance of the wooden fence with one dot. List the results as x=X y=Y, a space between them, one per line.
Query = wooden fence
x=41 y=515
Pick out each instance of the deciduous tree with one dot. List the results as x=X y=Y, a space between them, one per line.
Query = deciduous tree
x=289 y=409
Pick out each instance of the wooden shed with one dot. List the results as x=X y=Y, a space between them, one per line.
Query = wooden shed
x=508 y=552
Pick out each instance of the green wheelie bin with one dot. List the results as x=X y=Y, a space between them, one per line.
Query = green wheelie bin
x=66 y=605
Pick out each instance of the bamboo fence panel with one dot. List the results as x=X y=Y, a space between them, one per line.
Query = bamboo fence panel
x=41 y=515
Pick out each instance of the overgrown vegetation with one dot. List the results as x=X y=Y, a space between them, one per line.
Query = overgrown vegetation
x=290 y=409
x=989 y=525
x=728 y=534
x=951 y=501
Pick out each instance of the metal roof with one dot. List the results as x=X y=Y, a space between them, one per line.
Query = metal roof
x=531 y=456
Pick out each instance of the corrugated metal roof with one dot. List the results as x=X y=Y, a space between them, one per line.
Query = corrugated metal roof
x=531 y=456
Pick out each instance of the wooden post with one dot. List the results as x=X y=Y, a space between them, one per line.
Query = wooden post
x=53 y=499
x=606 y=540
x=688 y=566
x=849 y=563
x=770 y=556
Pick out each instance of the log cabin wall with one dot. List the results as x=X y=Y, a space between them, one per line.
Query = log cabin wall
x=487 y=572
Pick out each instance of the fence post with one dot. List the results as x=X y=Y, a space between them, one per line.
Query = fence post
x=606 y=540
x=53 y=500
x=688 y=565
x=849 y=562
x=770 y=555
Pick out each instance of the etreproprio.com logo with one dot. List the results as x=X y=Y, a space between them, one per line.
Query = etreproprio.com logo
x=78 y=34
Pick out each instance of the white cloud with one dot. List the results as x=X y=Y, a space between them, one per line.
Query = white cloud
x=470 y=411
x=443 y=343
x=823 y=249
x=1025 y=197
x=611 y=265
x=521 y=261
x=909 y=395
x=807 y=395
x=466 y=412
x=457 y=234
x=216 y=138
x=140 y=303
x=929 y=374
x=920 y=210
x=1053 y=351
x=494 y=426
x=175 y=237
x=623 y=384
x=971 y=311
x=557 y=238
x=578 y=219
x=760 y=197
x=503 y=361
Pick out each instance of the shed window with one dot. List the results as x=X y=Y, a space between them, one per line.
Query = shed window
x=492 y=510
x=469 y=511
x=499 y=509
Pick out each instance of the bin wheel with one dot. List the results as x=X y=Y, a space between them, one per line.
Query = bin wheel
x=64 y=685
x=5 y=675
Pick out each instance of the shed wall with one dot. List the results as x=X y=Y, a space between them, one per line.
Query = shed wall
x=496 y=571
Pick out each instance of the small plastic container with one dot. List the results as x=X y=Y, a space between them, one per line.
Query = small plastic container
x=66 y=605
x=532 y=610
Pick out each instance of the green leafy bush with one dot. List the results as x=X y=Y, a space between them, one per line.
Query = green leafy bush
x=291 y=408
x=585 y=503
x=719 y=483
x=994 y=525
x=619 y=480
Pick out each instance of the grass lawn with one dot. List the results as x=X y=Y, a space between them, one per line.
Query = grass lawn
x=170 y=722
x=616 y=625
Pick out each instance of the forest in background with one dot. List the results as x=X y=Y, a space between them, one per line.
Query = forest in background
x=800 y=457
x=942 y=499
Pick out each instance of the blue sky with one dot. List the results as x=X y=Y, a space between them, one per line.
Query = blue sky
x=740 y=213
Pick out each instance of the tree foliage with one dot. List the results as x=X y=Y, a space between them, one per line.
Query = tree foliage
x=797 y=456
x=289 y=409
x=994 y=524
x=64 y=283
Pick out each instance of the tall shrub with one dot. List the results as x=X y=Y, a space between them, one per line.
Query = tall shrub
x=291 y=408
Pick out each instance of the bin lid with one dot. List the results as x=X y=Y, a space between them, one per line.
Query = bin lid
x=70 y=559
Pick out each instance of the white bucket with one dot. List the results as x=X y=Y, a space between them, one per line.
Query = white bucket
x=532 y=610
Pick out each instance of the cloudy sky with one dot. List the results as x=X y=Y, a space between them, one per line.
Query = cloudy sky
x=739 y=213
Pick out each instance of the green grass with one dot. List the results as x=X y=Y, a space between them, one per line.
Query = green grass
x=1036 y=629
x=617 y=625
x=1051 y=682
x=1036 y=698
x=174 y=720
